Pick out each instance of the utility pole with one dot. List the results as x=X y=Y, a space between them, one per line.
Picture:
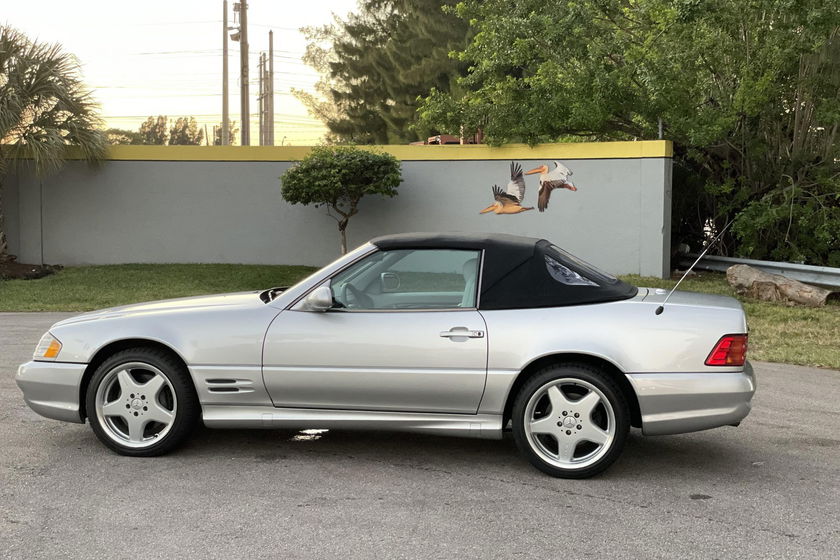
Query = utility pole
x=270 y=130
x=243 y=71
x=225 y=115
x=261 y=97
x=266 y=101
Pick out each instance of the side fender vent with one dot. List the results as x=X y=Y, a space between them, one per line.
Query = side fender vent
x=227 y=385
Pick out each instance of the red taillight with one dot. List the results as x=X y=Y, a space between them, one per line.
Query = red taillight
x=731 y=350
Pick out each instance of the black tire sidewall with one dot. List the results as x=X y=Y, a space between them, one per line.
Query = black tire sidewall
x=186 y=414
x=584 y=372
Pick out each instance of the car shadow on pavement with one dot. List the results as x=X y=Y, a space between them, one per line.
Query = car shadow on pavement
x=703 y=454
x=708 y=454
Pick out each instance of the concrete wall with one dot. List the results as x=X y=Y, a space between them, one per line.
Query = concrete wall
x=179 y=204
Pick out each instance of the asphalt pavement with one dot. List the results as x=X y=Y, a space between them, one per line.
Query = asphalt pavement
x=767 y=489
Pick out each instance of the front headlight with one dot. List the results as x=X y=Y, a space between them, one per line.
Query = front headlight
x=48 y=348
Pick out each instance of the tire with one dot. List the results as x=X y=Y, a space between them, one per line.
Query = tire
x=141 y=402
x=571 y=420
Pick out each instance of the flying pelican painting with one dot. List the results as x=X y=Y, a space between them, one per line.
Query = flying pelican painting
x=510 y=201
x=557 y=178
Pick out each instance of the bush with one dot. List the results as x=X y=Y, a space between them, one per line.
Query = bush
x=790 y=228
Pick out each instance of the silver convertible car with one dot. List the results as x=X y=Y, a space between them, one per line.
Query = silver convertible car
x=453 y=334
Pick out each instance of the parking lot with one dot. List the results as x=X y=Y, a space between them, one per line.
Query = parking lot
x=770 y=488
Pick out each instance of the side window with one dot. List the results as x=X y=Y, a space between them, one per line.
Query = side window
x=409 y=279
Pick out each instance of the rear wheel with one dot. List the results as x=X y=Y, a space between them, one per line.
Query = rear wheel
x=571 y=420
x=141 y=402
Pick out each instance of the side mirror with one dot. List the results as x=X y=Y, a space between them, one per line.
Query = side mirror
x=320 y=299
x=389 y=282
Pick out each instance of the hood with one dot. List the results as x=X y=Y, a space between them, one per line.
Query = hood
x=180 y=305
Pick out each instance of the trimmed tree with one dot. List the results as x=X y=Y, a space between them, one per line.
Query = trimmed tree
x=338 y=178
x=44 y=110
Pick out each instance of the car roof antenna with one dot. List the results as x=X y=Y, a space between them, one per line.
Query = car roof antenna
x=661 y=308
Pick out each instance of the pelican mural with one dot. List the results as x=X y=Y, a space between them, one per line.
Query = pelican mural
x=557 y=178
x=510 y=201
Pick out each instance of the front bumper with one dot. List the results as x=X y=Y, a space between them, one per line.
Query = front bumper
x=676 y=403
x=52 y=389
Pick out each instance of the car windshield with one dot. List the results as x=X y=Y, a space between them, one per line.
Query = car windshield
x=360 y=250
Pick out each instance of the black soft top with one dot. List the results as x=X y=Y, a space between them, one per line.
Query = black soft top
x=522 y=272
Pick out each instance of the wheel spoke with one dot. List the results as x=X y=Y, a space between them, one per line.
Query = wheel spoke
x=127 y=383
x=116 y=408
x=593 y=433
x=547 y=425
x=151 y=387
x=558 y=399
x=135 y=429
x=566 y=449
x=157 y=413
x=587 y=404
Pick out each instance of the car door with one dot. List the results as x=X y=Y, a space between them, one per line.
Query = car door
x=403 y=335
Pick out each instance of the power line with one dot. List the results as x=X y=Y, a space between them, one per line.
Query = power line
x=284 y=116
x=210 y=51
x=174 y=23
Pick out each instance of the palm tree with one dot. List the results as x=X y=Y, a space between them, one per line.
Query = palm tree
x=44 y=110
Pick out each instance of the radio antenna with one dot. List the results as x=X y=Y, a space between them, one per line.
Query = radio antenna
x=661 y=308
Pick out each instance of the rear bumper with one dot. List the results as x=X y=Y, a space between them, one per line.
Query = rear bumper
x=675 y=403
x=52 y=389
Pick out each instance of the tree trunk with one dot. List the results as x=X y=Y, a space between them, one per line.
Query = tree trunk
x=342 y=230
x=758 y=284
x=4 y=247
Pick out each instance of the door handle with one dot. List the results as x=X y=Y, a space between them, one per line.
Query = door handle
x=461 y=332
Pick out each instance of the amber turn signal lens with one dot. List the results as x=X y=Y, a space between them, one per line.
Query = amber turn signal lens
x=52 y=349
x=48 y=348
x=731 y=350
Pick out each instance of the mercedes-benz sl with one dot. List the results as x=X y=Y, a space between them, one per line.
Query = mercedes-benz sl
x=466 y=335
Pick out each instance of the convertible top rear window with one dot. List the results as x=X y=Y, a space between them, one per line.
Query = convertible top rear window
x=565 y=275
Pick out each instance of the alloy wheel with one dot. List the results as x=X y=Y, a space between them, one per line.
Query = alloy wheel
x=569 y=423
x=136 y=404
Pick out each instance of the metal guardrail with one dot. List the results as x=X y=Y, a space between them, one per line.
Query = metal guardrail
x=820 y=275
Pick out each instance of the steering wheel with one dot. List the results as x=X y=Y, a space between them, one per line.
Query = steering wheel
x=359 y=298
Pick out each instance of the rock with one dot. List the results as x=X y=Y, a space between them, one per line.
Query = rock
x=755 y=283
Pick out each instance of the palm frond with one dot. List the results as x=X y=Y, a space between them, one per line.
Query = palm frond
x=44 y=106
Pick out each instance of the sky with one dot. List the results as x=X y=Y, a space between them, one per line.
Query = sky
x=164 y=57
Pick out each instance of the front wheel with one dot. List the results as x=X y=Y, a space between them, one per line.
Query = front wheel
x=571 y=421
x=141 y=402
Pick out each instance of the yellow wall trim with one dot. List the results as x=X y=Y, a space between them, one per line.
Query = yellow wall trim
x=583 y=150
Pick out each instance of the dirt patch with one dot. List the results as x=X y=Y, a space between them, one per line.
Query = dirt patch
x=12 y=270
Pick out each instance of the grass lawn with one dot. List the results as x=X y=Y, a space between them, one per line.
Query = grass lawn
x=778 y=333
x=85 y=288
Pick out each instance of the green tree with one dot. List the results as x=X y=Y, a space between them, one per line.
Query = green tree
x=122 y=136
x=320 y=103
x=155 y=131
x=749 y=92
x=377 y=62
x=185 y=132
x=338 y=177
x=44 y=110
